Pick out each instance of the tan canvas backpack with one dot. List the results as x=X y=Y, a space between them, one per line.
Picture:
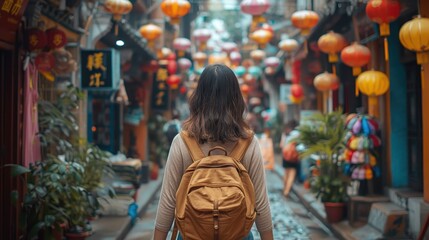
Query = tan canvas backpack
x=215 y=198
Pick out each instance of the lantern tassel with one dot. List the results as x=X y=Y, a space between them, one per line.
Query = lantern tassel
x=386 y=49
x=356 y=71
x=333 y=57
x=373 y=106
x=116 y=29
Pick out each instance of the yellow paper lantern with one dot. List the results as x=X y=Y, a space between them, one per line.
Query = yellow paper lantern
x=374 y=84
x=414 y=35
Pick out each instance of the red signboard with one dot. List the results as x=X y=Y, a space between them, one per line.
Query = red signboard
x=10 y=15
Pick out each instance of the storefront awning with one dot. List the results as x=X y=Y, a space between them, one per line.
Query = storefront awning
x=130 y=40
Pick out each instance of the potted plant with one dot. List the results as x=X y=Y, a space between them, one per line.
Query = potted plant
x=323 y=136
x=42 y=213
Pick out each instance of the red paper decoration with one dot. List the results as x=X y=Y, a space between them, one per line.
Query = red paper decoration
x=36 y=39
x=44 y=61
x=56 y=38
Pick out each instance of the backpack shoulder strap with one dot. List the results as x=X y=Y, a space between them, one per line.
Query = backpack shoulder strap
x=192 y=145
x=241 y=148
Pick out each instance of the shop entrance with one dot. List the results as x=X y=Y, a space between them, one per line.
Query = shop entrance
x=414 y=135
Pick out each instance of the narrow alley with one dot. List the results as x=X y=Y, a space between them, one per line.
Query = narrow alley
x=290 y=218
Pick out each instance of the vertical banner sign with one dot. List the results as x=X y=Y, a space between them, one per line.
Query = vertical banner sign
x=100 y=69
x=160 y=90
x=284 y=93
x=10 y=16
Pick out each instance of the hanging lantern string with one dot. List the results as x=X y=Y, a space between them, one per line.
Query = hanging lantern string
x=386 y=49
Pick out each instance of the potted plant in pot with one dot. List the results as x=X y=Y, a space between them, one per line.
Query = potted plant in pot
x=42 y=213
x=324 y=136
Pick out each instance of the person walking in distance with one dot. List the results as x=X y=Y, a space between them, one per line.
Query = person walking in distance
x=290 y=156
x=214 y=181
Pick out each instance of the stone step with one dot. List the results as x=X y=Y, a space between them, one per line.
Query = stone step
x=389 y=218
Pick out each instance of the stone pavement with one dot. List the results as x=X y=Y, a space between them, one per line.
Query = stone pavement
x=291 y=220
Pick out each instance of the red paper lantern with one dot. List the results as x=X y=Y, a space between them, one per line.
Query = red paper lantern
x=171 y=67
x=151 y=66
x=175 y=9
x=56 y=38
x=173 y=81
x=36 y=39
x=297 y=91
x=305 y=20
x=383 y=12
x=245 y=89
x=356 y=56
x=44 y=61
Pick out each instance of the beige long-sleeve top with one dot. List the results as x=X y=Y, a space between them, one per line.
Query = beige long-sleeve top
x=179 y=159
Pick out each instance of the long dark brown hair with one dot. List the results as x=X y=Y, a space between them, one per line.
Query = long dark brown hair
x=217 y=107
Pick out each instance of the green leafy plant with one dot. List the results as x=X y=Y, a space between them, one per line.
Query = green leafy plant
x=42 y=206
x=62 y=188
x=323 y=136
x=158 y=146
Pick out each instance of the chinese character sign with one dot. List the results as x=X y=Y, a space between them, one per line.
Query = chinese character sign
x=10 y=17
x=100 y=69
x=160 y=90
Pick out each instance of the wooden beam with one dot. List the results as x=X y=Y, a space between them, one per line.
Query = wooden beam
x=424 y=11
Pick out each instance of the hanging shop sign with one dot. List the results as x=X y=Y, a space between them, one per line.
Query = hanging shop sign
x=160 y=89
x=100 y=69
x=10 y=16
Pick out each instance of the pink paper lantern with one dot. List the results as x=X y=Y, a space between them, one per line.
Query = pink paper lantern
x=184 y=64
x=254 y=7
x=181 y=44
x=272 y=62
x=202 y=35
x=228 y=47
x=235 y=56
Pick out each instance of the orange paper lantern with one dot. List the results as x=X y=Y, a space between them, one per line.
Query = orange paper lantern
x=326 y=81
x=262 y=37
x=257 y=55
x=175 y=9
x=305 y=20
x=356 y=56
x=117 y=8
x=150 y=32
x=288 y=45
x=331 y=43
